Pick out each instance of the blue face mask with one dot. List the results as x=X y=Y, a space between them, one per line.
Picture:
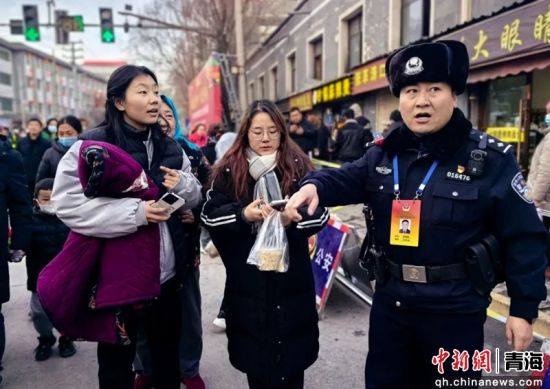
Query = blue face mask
x=52 y=129
x=67 y=142
x=547 y=119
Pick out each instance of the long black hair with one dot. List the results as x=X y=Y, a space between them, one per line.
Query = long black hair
x=114 y=124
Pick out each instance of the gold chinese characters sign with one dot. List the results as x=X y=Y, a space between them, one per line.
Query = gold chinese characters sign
x=302 y=101
x=370 y=77
x=507 y=134
x=332 y=91
x=520 y=31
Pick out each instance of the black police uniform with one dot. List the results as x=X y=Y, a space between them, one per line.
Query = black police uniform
x=410 y=320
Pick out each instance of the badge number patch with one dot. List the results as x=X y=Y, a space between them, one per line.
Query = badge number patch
x=384 y=170
x=520 y=187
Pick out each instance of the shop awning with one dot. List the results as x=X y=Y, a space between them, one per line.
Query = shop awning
x=510 y=67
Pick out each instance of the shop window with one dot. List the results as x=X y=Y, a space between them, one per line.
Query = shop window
x=355 y=41
x=273 y=82
x=415 y=20
x=446 y=14
x=504 y=99
x=316 y=50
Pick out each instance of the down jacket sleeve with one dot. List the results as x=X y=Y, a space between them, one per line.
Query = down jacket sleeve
x=222 y=215
x=100 y=217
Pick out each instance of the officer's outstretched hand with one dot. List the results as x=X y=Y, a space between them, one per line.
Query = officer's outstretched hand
x=519 y=333
x=306 y=195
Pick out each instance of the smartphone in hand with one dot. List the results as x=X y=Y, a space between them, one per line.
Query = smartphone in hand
x=170 y=201
x=278 y=205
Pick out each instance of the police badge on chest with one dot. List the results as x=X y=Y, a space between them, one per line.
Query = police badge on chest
x=458 y=175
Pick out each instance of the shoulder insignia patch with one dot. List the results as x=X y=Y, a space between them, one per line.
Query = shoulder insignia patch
x=520 y=187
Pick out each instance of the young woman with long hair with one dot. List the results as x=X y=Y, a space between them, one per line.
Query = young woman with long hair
x=131 y=123
x=271 y=317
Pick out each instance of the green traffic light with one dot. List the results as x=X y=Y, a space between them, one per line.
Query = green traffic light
x=108 y=36
x=32 y=34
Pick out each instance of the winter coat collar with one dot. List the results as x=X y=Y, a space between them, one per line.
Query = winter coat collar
x=442 y=144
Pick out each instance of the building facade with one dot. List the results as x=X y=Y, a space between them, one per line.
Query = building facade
x=329 y=55
x=33 y=83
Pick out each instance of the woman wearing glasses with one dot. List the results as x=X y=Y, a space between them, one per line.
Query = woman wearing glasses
x=271 y=317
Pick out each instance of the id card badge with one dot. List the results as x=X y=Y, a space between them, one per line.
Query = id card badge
x=405 y=223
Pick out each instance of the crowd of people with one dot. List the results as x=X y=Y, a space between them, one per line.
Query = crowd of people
x=109 y=262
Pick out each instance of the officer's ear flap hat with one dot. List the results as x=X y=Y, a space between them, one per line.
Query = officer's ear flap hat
x=441 y=61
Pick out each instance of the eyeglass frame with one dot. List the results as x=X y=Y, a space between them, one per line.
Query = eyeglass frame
x=270 y=135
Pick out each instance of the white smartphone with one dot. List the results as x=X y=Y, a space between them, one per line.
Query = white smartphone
x=171 y=201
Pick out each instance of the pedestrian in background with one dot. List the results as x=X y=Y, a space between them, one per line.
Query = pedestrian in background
x=198 y=135
x=538 y=180
x=131 y=123
x=352 y=139
x=32 y=149
x=428 y=301
x=323 y=136
x=48 y=234
x=271 y=317
x=190 y=338
x=215 y=131
x=302 y=132
x=15 y=212
x=50 y=131
x=69 y=128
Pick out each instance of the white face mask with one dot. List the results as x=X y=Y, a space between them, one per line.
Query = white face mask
x=47 y=209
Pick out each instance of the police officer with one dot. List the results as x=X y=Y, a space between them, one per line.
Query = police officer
x=455 y=185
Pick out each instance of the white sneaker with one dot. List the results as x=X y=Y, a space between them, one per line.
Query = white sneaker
x=219 y=322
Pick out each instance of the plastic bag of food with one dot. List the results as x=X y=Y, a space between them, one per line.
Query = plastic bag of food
x=270 y=251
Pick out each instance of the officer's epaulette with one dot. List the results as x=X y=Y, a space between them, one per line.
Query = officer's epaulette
x=492 y=142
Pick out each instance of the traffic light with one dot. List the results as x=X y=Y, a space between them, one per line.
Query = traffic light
x=30 y=16
x=61 y=35
x=106 y=24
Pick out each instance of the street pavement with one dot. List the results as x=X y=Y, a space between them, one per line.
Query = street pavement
x=343 y=340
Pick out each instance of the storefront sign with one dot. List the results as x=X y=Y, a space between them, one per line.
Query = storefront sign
x=518 y=32
x=333 y=91
x=205 y=96
x=302 y=101
x=370 y=77
x=325 y=258
x=507 y=134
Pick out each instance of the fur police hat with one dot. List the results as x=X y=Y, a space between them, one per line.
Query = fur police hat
x=441 y=61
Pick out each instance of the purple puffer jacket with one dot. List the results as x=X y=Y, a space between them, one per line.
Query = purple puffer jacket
x=82 y=288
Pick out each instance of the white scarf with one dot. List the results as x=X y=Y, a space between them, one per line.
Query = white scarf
x=262 y=169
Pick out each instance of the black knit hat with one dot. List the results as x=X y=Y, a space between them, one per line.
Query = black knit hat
x=441 y=61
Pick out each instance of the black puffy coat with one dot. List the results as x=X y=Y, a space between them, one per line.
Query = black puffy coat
x=271 y=317
x=48 y=234
x=13 y=196
x=32 y=152
x=351 y=141
x=50 y=160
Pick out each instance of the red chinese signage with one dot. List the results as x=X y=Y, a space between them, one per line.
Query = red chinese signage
x=205 y=96
x=519 y=32
x=370 y=77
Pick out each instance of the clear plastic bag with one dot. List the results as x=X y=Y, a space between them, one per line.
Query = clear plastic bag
x=270 y=251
